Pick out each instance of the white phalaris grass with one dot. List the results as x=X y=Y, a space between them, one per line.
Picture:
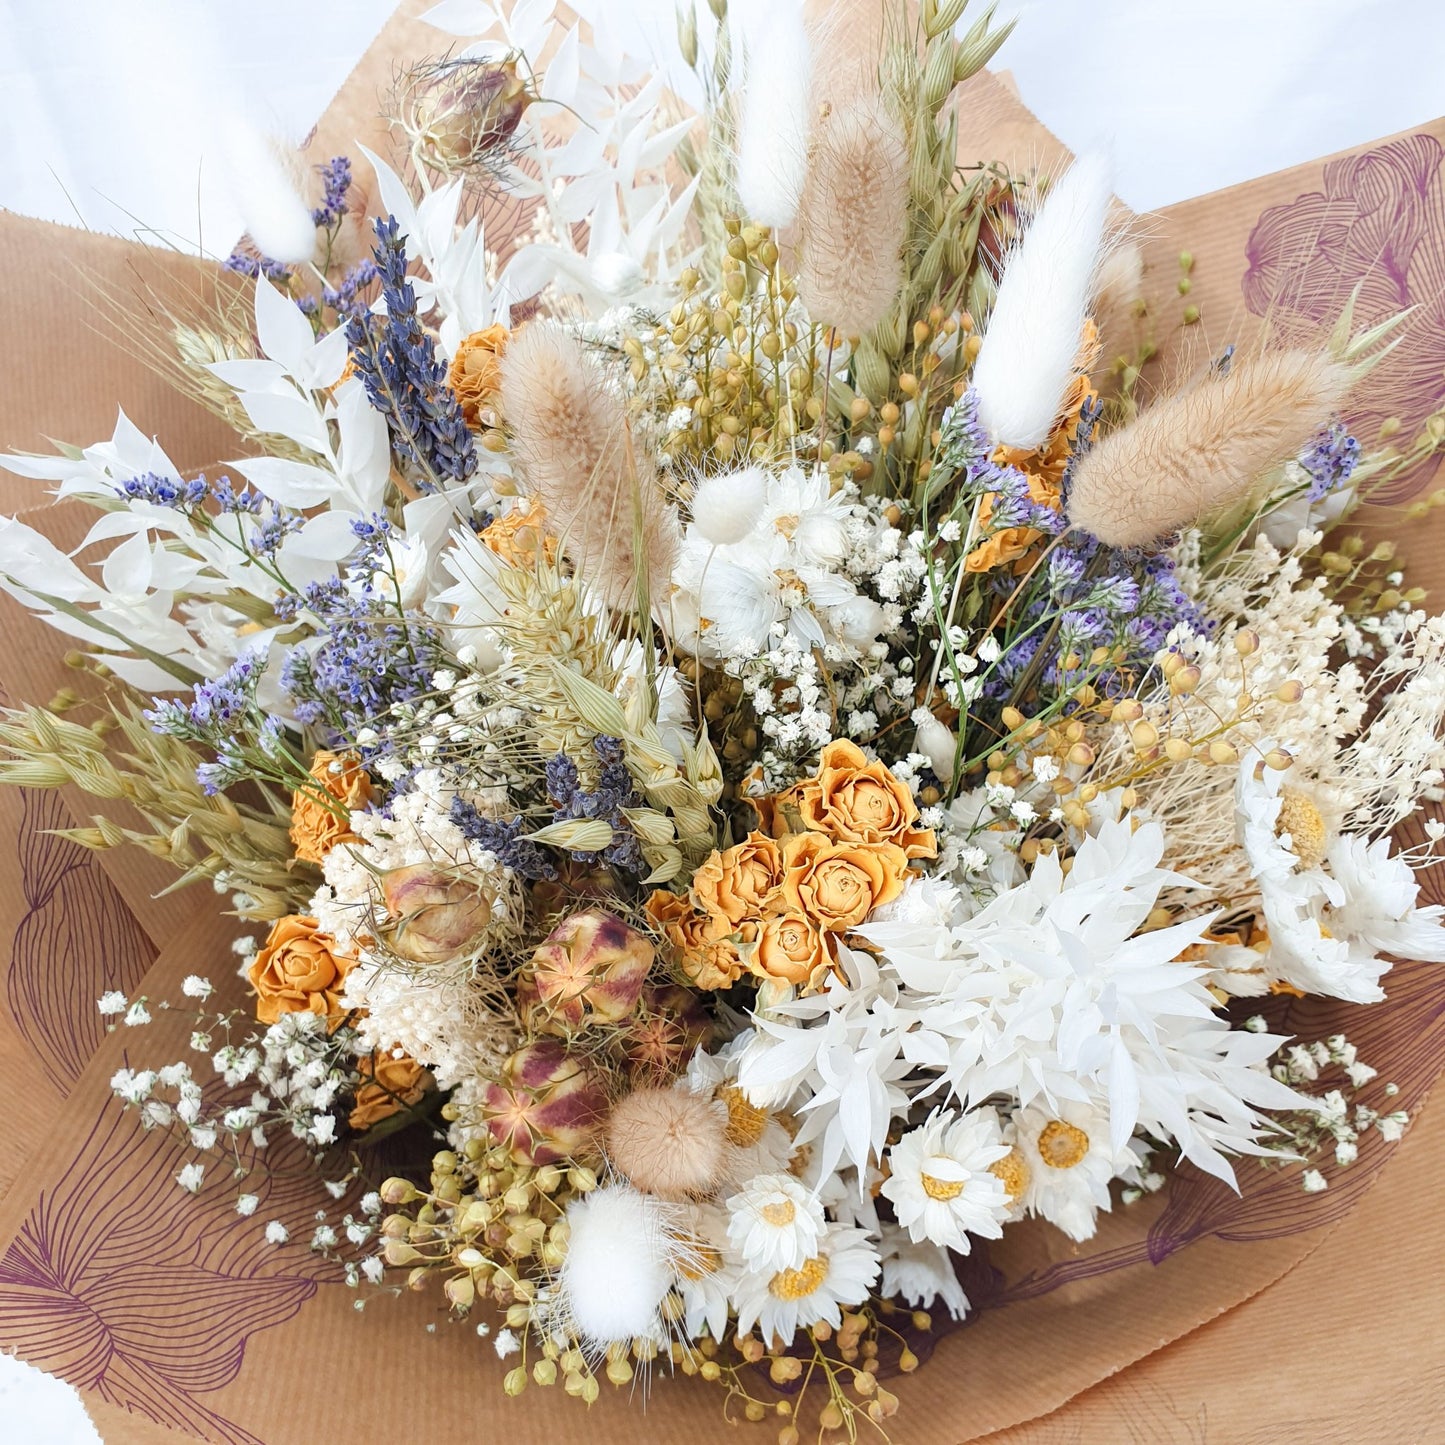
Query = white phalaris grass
x=1032 y=337
x=277 y=217
x=775 y=114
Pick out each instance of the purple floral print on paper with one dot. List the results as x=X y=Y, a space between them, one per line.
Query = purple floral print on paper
x=1377 y=223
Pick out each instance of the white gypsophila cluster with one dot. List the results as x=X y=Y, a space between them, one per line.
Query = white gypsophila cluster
x=794 y=588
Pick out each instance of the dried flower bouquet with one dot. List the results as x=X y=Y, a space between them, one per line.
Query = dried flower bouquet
x=743 y=745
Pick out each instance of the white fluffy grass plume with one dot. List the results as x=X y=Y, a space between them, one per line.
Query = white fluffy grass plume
x=1032 y=336
x=775 y=115
x=669 y=1142
x=726 y=505
x=621 y=1248
x=854 y=217
x=277 y=217
x=601 y=497
x=1205 y=447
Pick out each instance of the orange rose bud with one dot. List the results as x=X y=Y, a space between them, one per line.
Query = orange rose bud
x=856 y=801
x=705 y=945
x=546 y=1105
x=388 y=1086
x=298 y=971
x=835 y=886
x=734 y=884
x=591 y=968
x=476 y=370
x=789 y=949
x=317 y=828
x=438 y=915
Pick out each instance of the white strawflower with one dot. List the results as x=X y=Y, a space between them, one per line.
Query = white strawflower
x=775 y=1223
x=1069 y=1165
x=841 y=1273
x=920 y=1274
x=726 y=507
x=939 y=1181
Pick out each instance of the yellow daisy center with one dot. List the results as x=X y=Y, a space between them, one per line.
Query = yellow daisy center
x=942 y=1189
x=746 y=1121
x=791 y=1284
x=1012 y=1171
x=780 y=1213
x=700 y=1259
x=1061 y=1145
x=1302 y=820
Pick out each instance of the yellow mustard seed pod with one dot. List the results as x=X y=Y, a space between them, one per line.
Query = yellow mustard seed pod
x=888 y=413
x=1223 y=752
x=1012 y=718
x=1279 y=759
x=1185 y=680
x=1177 y=749
x=1289 y=692
x=755 y=1411
x=544 y=1372
x=1246 y=642
x=1130 y=710
x=515 y=1381
x=711 y=1371
x=1081 y=754
x=619 y=1371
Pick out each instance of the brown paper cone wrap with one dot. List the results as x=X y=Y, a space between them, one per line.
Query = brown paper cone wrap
x=1193 y=1316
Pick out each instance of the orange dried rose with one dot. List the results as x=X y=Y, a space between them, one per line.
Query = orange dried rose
x=298 y=971
x=706 y=947
x=790 y=949
x=734 y=884
x=836 y=885
x=316 y=828
x=476 y=370
x=516 y=537
x=856 y=801
x=777 y=812
x=388 y=1086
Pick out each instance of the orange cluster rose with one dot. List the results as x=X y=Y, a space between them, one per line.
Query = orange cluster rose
x=317 y=826
x=520 y=536
x=476 y=370
x=299 y=971
x=828 y=852
x=855 y=801
x=388 y=1086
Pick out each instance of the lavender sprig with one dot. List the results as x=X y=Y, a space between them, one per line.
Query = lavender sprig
x=396 y=360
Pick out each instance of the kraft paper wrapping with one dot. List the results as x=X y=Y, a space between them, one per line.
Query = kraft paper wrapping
x=1194 y=1316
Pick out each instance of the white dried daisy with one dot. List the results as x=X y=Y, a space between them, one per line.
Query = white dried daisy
x=920 y=1274
x=775 y=1223
x=707 y=1275
x=841 y=1273
x=1069 y=1164
x=940 y=1182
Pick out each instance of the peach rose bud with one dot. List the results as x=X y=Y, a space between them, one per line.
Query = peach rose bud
x=546 y=1106
x=437 y=916
x=591 y=968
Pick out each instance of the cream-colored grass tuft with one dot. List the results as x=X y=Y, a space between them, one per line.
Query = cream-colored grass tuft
x=601 y=497
x=1198 y=451
x=854 y=217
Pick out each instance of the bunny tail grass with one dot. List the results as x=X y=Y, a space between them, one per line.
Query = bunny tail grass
x=855 y=206
x=1205 y=447
x=1032 y=336
x=600 y=498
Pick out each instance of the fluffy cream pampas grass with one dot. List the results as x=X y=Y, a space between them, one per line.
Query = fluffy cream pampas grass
x=1032 y=336
x=277 y=217
x=854 y=217
x=601 y=498
x=1198 y=451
